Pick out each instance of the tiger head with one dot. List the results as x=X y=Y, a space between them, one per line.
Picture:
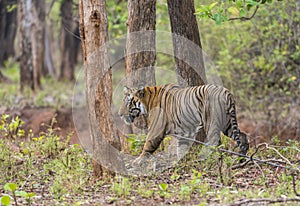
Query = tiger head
x=132 y=106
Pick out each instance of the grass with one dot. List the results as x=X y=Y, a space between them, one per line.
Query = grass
x=54 y=172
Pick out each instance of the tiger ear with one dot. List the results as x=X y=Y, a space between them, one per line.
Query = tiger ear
x=140 y=92
x=126 y=89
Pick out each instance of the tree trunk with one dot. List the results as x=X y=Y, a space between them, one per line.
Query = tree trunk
x=140 y=52
x=26 y=65
x=49 y=68
x=32 y=19
x=8 y=28
x=38 y=39
x=186 y=43
x=67 y=41
x=140 y=44
x=77 y=43
x=98 y=75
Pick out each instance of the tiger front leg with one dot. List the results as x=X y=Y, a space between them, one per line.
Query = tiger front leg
x=156 y=134
x=149 y=148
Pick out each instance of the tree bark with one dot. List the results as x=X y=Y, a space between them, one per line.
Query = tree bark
x=26 y=65
x=8 y=28
x=77 y=43
x=140 y=51
x=37 y=40
x=48 y=68
x=32 y=19
x=67 y=41
x=98 y=75
x=189 y=61
x=140 y=44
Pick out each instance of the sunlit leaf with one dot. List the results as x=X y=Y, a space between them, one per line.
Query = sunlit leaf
x=251 y=2
x=211 y=6
x=163 y=186
x=30 y=194
x=5 y=200
x=10 y=8
x=242 y=12
x=234 y=11
x=10 y=187
x=21 y=193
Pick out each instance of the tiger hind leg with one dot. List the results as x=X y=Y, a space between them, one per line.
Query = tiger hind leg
x=244 y=144
x=213 y=139
x=183 y=146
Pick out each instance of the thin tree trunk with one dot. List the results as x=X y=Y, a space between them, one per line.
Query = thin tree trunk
x=8 y=29
x=76 y=46
x=140 y=52
x=32 y=18
x=186 y=43
x=49 y=68
x=37 y=40
x=26 y=65
x=67 y=41
x=140 y=44
x=98 y=75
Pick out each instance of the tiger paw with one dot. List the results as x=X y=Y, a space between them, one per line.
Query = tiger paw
x=142 y=159
x=138 y=161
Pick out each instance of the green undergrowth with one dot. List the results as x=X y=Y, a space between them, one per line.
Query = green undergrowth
x=46 y=169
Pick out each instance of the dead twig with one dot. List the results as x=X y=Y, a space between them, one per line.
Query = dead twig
x=250 y=159
x=294 y=185
x=265 y=201
x=285 y=159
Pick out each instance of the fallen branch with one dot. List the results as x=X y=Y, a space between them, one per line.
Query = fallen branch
x=277 y=152
x=250 y=158
x=266 y=162
x=266 y=201
x=294 y=185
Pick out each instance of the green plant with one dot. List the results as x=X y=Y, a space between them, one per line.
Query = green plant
x=185 y=192
x=163 y=189
x=12 y=187
x=175 y=176
x=11 y=129
x=144 y=190
x=229 y=10
x=122 y=187
x=5 y=200
x=136 y=143
x=70 y=168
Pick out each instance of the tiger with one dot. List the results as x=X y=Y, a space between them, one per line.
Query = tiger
x=183 y=112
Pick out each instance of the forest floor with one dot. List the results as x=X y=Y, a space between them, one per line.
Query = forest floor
x=58 y=172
